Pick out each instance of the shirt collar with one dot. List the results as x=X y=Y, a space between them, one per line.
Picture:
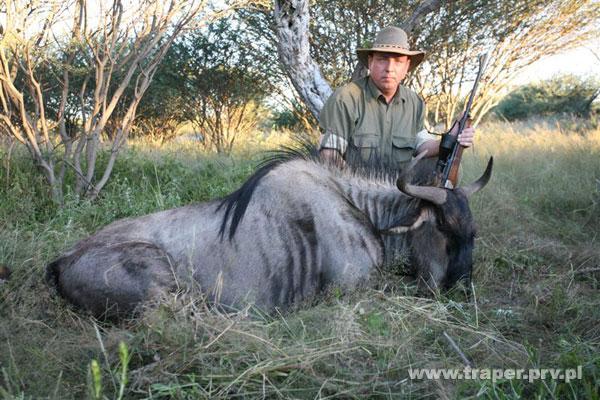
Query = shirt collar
x=376 y=93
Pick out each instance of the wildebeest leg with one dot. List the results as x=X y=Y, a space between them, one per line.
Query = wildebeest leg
x=111 y=280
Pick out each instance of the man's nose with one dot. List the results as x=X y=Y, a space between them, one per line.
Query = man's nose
x=390 y=65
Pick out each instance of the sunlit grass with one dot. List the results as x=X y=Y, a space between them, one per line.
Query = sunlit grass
x=536 y=288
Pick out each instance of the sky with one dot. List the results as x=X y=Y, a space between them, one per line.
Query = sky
x=579 y=61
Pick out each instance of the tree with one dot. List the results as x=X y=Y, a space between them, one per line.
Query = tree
x=258 y=37
x=162 y=110
x=453 y=33
x=503 y=29
x=222 y=87
x=563 y=94
x=119 y=49
x=294 y=52
x=224 y=107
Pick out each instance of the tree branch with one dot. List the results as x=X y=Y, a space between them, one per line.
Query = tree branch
x=292 y=19
x=423 y=9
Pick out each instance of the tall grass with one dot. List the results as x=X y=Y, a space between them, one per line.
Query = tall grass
x=536 y=300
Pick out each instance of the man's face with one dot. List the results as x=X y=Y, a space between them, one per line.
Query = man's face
x=388 y=70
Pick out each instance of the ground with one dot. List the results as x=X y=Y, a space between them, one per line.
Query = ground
x=536 y=302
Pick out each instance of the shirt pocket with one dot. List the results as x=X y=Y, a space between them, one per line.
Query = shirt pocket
x=366 y=144
x=402 y=148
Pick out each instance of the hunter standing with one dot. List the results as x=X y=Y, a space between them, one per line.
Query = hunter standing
x=376 y=119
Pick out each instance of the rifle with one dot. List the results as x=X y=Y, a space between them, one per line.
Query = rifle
x=450 y=152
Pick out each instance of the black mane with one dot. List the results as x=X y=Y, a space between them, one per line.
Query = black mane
x=303 y=148
x=237 y=202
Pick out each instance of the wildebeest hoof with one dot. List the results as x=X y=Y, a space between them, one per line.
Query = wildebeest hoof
x=4 y=273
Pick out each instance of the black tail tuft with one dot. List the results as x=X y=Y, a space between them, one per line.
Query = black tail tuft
x=4 y=273
x=52 y=274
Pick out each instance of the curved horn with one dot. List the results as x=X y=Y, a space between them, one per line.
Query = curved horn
x=430 y=193
x=481 y=182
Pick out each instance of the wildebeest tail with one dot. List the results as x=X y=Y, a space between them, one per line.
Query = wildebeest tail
x=53 y=273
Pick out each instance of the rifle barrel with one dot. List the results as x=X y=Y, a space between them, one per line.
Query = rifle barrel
x=482 y=64
x=461 y=126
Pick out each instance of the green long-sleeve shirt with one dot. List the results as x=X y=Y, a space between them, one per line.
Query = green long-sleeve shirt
x=358 y=122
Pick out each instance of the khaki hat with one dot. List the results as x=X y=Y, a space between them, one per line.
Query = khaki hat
x=391 y=39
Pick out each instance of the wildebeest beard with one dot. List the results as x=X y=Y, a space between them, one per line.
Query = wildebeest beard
x=294 y=228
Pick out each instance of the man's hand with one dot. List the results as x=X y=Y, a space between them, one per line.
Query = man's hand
x=466 y=137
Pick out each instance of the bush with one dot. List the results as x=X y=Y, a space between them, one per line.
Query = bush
x=294 y=117
x=285 y=119
x=562 y=94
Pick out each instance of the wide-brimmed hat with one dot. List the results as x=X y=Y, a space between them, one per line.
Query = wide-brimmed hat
x=391 y=39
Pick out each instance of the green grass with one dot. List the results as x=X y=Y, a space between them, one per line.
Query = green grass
x=536 y=292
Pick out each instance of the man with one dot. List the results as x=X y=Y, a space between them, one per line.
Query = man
x=376 y=119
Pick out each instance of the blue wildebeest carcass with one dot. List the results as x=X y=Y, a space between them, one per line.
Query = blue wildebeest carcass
x=295 y=227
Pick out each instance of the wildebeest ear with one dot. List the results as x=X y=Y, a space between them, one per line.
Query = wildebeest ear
x=481 y=182
x=425 y=215
x=433 y=194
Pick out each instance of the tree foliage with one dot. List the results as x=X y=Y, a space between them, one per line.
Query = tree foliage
x=209 y=79
x=64 y=84
x=220 y=88
x=563 y=94
x=163 y=108
x=515 y=33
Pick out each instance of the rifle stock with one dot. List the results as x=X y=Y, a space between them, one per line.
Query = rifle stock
x=453 y=172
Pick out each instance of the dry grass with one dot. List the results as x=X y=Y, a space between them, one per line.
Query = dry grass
x=536 y=287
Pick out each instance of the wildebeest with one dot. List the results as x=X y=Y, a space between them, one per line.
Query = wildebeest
x=295 y=227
